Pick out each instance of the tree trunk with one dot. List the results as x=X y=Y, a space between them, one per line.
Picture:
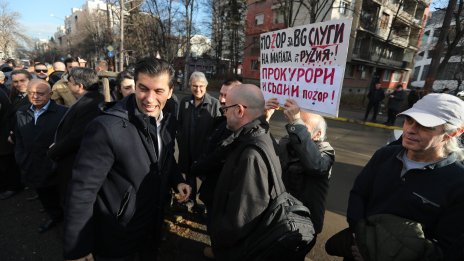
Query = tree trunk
x=439 y=48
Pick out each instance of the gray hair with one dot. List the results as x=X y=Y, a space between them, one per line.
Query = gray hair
x=316 y=122
x=321 y=126
x=85 y=76
x=454 y=143
x=199 y=76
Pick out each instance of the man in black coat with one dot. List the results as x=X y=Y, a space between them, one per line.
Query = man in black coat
x=195 y=119
x=34 y=132
x=114 y=206
x=375 y=96
x=395 y=101
x=83 y=83
x=18 y=98
x=8 y=168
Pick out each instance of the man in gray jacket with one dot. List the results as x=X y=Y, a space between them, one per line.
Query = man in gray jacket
x=306 y=158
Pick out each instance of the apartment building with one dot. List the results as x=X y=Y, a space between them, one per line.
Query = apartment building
x=454 y=68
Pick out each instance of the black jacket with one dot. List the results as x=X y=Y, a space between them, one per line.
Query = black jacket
x=70 y=131
x=32 y=142
x=432 y=196
x=117 y=190
x=395 y=100
x=6 y=148
x=376 y=95
x=306 y=167
x=210 y=163
x=243 y=190
x=193 y=133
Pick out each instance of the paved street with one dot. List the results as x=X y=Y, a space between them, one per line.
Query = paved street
x=354 y=144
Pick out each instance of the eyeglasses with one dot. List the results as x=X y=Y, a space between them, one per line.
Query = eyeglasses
x=38 y=94
x=223 y=110
x=39 y=70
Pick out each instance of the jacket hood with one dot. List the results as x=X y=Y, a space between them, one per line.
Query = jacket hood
x=324 y=146
x=119 y=108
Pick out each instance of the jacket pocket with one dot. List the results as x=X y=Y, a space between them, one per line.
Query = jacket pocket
x=126 y=207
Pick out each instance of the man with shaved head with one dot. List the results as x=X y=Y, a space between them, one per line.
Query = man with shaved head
x=243 y=191
x=35 y=129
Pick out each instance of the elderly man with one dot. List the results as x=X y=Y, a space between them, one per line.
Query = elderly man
x=243 y=190
x=420 y=183
x=83 y=85
x=35 y=129
x=61 y=93
x=41 y=71
x=122 y=174
x=209 y=165
x=306 y=159
x=196 y=119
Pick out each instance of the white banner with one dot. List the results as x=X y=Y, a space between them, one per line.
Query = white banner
x=306 y=63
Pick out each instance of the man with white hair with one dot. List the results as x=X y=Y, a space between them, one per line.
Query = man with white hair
x=420 y=181
x=195 y=124
x=306 y=159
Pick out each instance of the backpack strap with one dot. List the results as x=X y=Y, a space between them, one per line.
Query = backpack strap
x=278 y=187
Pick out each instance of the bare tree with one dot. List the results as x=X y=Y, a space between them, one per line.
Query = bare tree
x=448 y=40
x=10 y=31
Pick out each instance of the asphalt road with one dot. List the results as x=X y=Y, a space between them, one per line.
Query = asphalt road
x=354 y=144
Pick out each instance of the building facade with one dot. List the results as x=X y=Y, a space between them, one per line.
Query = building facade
x=454 y=69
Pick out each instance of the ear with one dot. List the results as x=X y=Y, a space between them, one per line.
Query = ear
x=458 y=132
x=170 y=92
x=317 y=136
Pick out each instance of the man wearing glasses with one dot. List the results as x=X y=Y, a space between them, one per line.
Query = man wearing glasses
x=243 y=190
x=41 y=71
x=35 y=129
x=196 y=117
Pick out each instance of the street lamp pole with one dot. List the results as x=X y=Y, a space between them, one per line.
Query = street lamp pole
x=121 y=44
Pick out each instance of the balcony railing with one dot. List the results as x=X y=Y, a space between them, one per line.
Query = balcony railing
x=372 y=57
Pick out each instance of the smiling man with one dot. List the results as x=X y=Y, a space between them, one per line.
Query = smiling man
x=122 y=174
x=196 y=122
x=421 y=180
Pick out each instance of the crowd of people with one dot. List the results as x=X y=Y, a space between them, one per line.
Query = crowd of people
x=102 y=160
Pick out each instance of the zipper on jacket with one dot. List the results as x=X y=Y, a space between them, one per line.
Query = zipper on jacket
x=125 y=201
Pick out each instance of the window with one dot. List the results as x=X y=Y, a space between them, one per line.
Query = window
x=259 y=19
x=343 y=8
x=363 y=70
x=349 y=71
x=425 y=71
x=254 y=50
x=386 y=75
x=405 y=76
x=416 y=73
x=396 y=76
x=254 y=65
x=278 y=16
x=384 y=19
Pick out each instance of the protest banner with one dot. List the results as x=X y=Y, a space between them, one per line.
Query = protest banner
x=306 y=63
